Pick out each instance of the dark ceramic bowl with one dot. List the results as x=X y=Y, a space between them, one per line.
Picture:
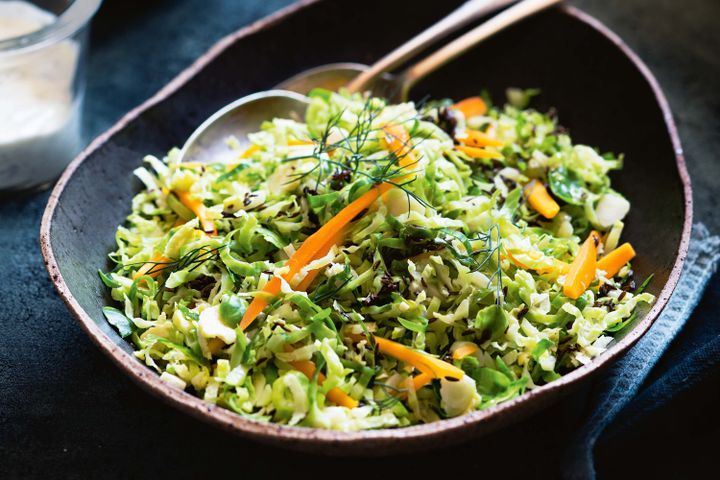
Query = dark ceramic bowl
x=604 y=94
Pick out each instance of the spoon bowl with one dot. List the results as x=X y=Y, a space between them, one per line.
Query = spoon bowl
x=334 y=76
x=208 y=143
x=331 y=77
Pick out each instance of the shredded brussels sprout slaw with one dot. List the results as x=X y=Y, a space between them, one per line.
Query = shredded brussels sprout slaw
x=451 y=290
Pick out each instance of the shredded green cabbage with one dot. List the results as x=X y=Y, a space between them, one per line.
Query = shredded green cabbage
x=448 y=256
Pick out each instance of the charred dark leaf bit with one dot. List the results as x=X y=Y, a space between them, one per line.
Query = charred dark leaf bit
x=447 y=120
x=340 y=178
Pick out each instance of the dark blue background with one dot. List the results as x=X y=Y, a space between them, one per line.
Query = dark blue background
x=67 y=412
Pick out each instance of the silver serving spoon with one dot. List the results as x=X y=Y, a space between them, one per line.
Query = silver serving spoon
x=246 y=115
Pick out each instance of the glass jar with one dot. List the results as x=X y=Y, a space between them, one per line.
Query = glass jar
x=42 y=50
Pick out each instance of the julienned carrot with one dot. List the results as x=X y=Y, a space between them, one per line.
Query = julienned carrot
x=464 y=350
x=476 y=152
x=310 y=247
x=198 y=208
x=582 y=270
x=397 y=140
x=558 y=266
x=539 y=198
x=307 y=367
x=335 y=395
x=420 y=360
x=336 y=239
x=398 y=143
x=252 y=149
x=471 y=107
x=417 y=382
x=421 y=380
x=615 y=260
x=476 y=138
x=156 y=259
x=294 y=143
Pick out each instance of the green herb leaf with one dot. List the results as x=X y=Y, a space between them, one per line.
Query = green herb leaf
x=644 y=284
x=620 y=325
x=108 y=280
x=188 y=314
x=419 y=325
x=567 y=185
x=232 y=173
x=540 y=348
x=117 y=319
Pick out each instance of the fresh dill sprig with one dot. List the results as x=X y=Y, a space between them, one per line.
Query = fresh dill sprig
x=191 y=261
x=492 y=248
x=392 y=396
x=387 y=168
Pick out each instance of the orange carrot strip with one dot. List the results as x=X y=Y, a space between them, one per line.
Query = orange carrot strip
x=397 y=140
x=335 y=395
x=514 y=260
x=420 y=360
x=199 y=209
x=305 y=282
x=615 y=260
x=421 y=380
x=476 y=138
x=336 y=239
x=465 y=350
x=416 y=382
x=309 y=249
x=582 y=269
x=539 y=198
x=475 y=152
x=294 y=143
x=559 y=266
x=471 y=107
x=252 y=149
x=147 y=267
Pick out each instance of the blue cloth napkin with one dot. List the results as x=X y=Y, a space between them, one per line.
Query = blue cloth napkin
x=622 y=382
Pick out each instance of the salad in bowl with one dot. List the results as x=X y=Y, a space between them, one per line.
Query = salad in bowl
x=376 y=265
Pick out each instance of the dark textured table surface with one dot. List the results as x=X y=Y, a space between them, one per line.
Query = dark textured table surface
x=67 y=412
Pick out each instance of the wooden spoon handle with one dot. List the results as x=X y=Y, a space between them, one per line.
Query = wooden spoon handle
x=460 y=45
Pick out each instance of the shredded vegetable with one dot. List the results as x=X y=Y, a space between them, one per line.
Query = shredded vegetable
x=376 y=265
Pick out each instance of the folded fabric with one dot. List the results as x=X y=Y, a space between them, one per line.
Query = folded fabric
x=621 y=383
x=698 y=365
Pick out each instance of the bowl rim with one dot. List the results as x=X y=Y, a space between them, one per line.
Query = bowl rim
x=315 y=438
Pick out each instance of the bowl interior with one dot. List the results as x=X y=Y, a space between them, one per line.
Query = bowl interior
x=600 y=94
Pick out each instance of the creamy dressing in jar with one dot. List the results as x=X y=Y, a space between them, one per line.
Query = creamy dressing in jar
x=39 y=113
